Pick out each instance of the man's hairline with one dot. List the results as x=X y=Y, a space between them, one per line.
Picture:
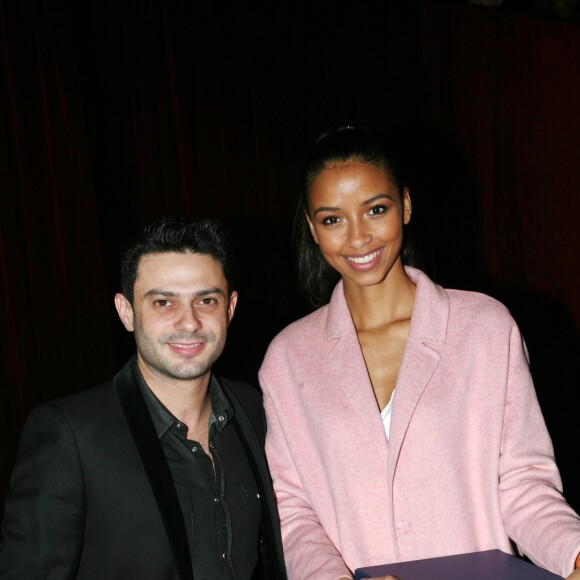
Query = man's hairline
x=184 y=251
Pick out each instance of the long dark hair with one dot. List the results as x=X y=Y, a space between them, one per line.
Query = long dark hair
x=317 y=279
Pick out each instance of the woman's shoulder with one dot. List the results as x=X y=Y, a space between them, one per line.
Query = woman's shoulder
x=305 y=326
x=467 y=304
x=300 y=338
x=476 y=307
x=478 y=301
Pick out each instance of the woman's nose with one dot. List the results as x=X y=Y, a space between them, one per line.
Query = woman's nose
x=358 y=236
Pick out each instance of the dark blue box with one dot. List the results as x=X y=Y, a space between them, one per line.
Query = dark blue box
x=488 y=565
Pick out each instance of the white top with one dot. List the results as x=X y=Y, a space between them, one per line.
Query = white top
x=386 y=414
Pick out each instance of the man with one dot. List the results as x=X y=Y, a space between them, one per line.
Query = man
x=159 y=473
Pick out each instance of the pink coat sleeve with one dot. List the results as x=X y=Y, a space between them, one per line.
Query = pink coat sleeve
x=536 y=516
x=308 y=551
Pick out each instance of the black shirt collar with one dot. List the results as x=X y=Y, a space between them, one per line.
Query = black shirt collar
x=221 y=409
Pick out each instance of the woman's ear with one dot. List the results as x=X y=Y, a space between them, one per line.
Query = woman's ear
x=407 y=206
x=311 y=226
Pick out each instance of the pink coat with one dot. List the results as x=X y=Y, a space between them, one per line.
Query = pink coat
x=469 y=463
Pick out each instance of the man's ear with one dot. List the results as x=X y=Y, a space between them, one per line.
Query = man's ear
x=311 y=226
x=232 y=305
x=125 y=311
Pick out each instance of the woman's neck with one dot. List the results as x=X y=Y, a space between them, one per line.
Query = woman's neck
x=381 y=304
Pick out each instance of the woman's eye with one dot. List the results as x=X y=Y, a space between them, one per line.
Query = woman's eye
x=378 y=209
x=330 y=220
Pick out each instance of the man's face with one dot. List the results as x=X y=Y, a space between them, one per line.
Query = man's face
x=180 y=315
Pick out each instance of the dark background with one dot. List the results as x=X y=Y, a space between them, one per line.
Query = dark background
x=114 y=112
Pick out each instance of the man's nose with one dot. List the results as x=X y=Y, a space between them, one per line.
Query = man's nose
x=188 y=320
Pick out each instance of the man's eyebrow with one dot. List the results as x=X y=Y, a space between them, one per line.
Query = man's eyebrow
x=207 y=291
x=156 y=292
x=171 y=294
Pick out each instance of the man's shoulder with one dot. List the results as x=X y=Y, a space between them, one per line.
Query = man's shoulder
x=81 y=404
x=94 y=398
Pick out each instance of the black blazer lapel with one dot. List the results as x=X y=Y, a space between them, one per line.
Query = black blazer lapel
x=156 y=466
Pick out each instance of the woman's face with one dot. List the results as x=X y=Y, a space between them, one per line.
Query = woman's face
x=356 y=216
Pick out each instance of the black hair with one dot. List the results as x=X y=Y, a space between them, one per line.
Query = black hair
x=177 y=235
x=346 y=143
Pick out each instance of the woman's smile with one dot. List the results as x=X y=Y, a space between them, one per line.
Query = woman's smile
x=365 y=261
x=356 y=216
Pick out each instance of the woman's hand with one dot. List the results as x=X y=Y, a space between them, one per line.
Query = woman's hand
x=575 y=575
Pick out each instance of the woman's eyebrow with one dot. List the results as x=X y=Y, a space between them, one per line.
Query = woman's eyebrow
x=378 y=196
x=363 y=203
x=325 y=208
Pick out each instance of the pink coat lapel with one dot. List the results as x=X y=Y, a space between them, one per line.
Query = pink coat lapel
x=428 y=332
x=345 y=359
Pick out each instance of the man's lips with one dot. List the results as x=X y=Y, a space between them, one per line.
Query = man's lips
x=186 y=348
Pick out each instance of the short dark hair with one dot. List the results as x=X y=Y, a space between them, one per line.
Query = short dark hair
x=346 y=143
x=181 y=235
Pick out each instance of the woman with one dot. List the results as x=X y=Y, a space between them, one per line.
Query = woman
x=402 y=419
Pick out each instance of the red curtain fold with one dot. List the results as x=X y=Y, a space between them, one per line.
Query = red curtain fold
x=506 y=84
x=52 y=288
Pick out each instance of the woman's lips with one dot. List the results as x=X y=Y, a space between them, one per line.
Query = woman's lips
x=364 y=261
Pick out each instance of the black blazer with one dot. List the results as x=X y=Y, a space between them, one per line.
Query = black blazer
x=92 y=496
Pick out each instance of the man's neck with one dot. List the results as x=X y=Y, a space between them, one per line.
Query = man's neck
x=187 y=400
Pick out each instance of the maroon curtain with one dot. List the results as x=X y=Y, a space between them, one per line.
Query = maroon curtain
x=225 y=100
x=506 y=83
x=52 y=286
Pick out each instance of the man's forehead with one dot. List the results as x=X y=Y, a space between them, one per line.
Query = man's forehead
x=170 y=257
x=179 y=266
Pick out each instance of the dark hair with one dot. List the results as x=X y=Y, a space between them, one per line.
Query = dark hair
x=180 y=235
x=347 y=143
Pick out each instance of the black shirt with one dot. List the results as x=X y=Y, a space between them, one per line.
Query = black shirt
x=220 y=502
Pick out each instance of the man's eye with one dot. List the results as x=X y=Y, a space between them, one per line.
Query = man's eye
x=208 y=301
x=162 y=303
